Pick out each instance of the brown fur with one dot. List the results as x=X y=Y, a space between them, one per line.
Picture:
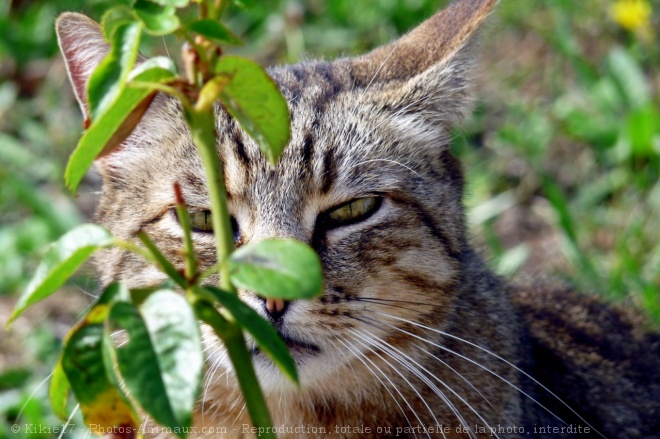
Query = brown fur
x=412 y=329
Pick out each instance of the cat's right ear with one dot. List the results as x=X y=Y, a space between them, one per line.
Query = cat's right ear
x=426 y=74
x=83 y=46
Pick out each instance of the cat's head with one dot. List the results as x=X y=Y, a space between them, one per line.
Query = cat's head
x=367 y=179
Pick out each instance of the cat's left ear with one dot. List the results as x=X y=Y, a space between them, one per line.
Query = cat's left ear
x=83 y=46
x=427 y=71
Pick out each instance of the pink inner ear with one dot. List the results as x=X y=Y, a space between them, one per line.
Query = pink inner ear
x=83 y=47
x=77 y=73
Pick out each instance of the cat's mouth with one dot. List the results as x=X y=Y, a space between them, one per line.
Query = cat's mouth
x=297 y=348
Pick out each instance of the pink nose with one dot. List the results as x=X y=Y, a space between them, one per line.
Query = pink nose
x=276 y=308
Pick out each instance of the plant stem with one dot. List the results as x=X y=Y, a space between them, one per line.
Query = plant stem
x=231 y=334
x=151 y=254
x=201 y=119
x=184 y=220
x=202 y=125
x=161 y=260
x=247 y=379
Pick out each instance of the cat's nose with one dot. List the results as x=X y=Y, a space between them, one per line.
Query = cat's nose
x=275 y=308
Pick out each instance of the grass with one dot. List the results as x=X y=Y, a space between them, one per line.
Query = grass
x=568 y=128
x=562 y=156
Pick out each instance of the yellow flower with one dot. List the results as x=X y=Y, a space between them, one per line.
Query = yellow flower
x=633 y=15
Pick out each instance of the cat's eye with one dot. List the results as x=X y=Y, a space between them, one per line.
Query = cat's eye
x=352 y=212
x=201 y=222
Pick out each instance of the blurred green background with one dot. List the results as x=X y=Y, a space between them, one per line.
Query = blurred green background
x=562 y=155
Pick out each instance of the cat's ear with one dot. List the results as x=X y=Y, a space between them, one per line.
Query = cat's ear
x=83 y=47
x=429 y=68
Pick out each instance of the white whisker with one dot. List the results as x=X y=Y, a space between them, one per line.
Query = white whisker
x=361 y=357
x=444 y=363
x=421 y=398
x=360 y=98
x=488 y=370
x=387 y=161
x=388 y=346
x=408 y=362
x=240 y=412
x=214 y=369
x=349 y=363
x=166 y=50
x=29 y=398
x=68 y=421
x=399 y=112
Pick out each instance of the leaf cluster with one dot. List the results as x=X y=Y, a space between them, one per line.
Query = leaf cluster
x=148 y=339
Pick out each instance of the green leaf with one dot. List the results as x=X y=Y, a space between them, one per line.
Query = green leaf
x=629 y=76
x=63 y=258
x=643 y=130
x=559 y=203
x=39 y=202
x=254 y=100
x=259 y=328
x=278 y=269
x=158 y=69
x=109 y=78
x=59 y=384
x=114 y=18
x=139 y=295
x=15 y=377
x=512 y=259
x=115 y=292
x=245 y=4
x=118 y=122
x=161 y=362
x=58 y=393
x=173 y=3
x=103 y=405
x=215 y=31
x=158 y=19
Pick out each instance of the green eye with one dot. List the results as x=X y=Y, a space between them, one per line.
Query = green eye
x=200 y=221
x=353 y=211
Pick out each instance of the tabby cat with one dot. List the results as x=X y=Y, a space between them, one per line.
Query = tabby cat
x=413 y=336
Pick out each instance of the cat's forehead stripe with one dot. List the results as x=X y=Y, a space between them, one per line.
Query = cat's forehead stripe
x=310 y=89
x=308 y=152
x=329 y=175
x=239 y=147
x=313 y=83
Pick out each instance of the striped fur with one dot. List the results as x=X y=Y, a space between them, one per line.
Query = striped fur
x=412 y=327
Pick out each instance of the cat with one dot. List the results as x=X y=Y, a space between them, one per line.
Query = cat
x=413 y=336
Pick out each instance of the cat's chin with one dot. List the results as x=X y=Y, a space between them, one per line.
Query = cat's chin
x=309 y=361
x=312 y=368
